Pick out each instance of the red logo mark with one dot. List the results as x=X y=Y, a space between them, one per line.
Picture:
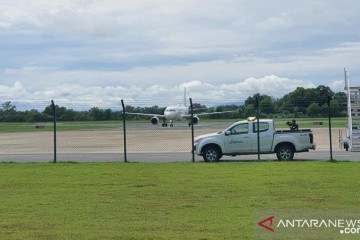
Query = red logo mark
x=268 y=219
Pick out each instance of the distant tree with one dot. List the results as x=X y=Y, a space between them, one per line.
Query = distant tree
x=61 y=113
x=336 y=110
x=322 y=94
x=35 y=116
x=267 y=106
x=299 y=100
x=340 y=98
x=116 y=115
x=298 y=113
x=199 y=108
x=153 y=110
x=49 y=110
x=82 y=116
x=68 y=115
x=261 y=97
x=313 y=110
x=324 y=110
x=250 y=110
x=8 y=107
x=240 y=114
x=95 y=114
x=107 y=114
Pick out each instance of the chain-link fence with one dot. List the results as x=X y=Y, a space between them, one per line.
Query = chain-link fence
x=81 y=132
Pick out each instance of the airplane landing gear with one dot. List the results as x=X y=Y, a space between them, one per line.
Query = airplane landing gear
x=164 y=123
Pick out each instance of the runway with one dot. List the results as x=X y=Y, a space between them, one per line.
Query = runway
x=145 y=143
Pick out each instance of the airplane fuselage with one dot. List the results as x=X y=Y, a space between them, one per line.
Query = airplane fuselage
x=176 y=113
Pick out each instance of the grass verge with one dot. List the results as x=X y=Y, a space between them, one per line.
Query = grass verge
x=163 y=201
x=61 y=126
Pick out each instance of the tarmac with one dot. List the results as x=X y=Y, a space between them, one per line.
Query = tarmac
x=145 y=143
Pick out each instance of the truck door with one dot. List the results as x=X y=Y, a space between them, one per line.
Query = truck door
x=238 y=139
x=266 y=137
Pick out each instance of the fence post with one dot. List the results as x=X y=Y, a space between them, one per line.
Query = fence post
x=330 y=135
x=54 y=109
x=192 y=130
x=258 y=126
x=124 y=126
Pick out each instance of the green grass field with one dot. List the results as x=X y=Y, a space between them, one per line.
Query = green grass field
x=61 y=126
x=163 y=201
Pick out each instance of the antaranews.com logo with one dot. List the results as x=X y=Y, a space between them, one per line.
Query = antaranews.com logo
x=307 y=224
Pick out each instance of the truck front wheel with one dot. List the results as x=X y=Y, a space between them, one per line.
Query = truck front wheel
x=285 y=152
x=211 y=154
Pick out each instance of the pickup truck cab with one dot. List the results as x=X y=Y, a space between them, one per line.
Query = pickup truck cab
x=241 y=138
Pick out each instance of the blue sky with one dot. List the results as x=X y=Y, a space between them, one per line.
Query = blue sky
x=102 y=51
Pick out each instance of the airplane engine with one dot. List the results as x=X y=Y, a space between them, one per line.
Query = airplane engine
x=195 y=120
x=154 y=120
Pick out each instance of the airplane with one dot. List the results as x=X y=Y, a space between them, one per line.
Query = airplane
x=175 y=113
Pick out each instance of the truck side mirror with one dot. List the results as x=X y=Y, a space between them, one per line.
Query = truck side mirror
x=227 y=133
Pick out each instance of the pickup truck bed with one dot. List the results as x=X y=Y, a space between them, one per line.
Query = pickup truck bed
x=292 y=131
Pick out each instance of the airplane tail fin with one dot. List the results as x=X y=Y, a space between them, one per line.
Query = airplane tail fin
x=185 y=97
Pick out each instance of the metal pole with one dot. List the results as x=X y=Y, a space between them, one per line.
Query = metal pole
x=192 y=130
x=124 y=125
x=54 y=108
x=330 y=136
x=340 y=137
x=258 y=127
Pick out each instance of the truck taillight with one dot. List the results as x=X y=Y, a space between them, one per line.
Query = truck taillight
x=311 y=138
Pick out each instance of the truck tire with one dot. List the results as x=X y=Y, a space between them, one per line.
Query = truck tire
x=211 y=154
x=285 y=152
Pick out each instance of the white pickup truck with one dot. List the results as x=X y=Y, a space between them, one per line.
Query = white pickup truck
x=241 y=139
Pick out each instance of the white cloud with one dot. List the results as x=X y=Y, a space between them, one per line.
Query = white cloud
x=270 y=85
x=76 y=96
x=274 y=23
x=16 y=91
x=337 y=86
x=344 y=48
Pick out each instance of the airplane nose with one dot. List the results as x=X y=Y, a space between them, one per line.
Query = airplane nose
x=170 y=115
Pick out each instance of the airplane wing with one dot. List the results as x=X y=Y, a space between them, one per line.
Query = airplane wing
x=146 y=114
x=203 y=114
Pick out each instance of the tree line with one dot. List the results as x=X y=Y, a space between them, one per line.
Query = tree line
x=310 y=102
x=302 y=102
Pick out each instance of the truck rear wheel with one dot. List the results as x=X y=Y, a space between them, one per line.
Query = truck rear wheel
x=211 y=154
x=285 y=152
